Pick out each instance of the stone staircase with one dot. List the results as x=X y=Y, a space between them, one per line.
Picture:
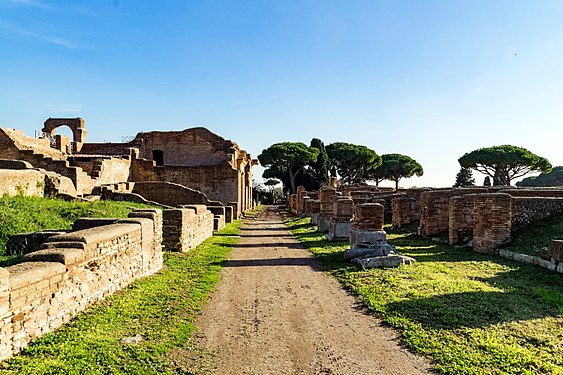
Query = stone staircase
x=83 y=182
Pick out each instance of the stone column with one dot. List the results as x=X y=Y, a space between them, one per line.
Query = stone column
x=340 y=225
x=314 y=210
x=327 y=198
x=368 y=240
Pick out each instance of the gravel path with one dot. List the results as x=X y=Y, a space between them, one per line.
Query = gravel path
x=274 y=312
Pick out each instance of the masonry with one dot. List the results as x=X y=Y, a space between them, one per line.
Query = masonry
x=71 y=271
x=195 y=158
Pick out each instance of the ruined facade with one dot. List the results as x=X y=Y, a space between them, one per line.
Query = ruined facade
x=195 y=158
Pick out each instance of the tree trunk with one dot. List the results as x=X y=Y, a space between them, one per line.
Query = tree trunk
x=397 y=185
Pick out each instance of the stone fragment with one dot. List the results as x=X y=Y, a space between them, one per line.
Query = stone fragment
x=555 y=250
x=383 y=261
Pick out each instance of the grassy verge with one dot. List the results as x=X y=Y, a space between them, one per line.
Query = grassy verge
x=534 y=239
x=29 y=214
x=469 y=313
x=161 y=309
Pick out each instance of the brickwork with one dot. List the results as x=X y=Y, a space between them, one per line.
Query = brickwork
x=401 y=208
x=71 y=272
x=185 y=228
x=369 y=216
x=327 y=197
x=300 y=194
x=435 y=206
x=340 y=224
x=171 y=194
x=491 y=221
x=460 y=218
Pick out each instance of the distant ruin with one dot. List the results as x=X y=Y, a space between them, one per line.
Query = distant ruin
x=195 y=158
x=483 y=218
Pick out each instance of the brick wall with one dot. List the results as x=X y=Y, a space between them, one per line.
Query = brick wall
x=460 y=218
x=528 y=210
x=185 y=228
x=435 y=206
x=71 y=272
x=492 y=221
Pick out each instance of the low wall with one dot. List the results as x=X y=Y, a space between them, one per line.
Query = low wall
x=526 y=211
x=71 y=272
x=171 y=194
x=435 y=206
x=185 y=228
x=26 y=182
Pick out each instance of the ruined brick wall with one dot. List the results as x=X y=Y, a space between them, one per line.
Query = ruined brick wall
x=460 y=220
x=109 y=149
x=218 y=183
x=26 y=182
x=14 y=144
x=106 y=170
x=171 y=194
x=185 y=228
x=73 y=271
x=535 y=192
x=434 y=209
x=401 y=209
x=193 y=147
x=529 y=210
x=492 y=221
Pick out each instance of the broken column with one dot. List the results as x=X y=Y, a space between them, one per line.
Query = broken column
x=301 y=193
x=340 y=225
x=368 y=240
x=313 y=209
x=327 y=198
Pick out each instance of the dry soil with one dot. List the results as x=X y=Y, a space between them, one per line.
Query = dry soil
x=275 y=312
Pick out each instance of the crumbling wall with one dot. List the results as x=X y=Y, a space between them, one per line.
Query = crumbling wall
x=26 y=182
x=14 y=143
x=70 y=273
x=460 y=218
x=492 y=221
x=435 y=206
x=171 y=194
x=185 y=228
x=529 y=210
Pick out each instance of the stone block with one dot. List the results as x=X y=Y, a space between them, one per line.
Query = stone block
x=365 y=238
x=383 y=261
x=339 y=231
x=66 y=256
x=555 y=250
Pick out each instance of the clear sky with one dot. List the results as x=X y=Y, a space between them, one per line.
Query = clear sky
x=429 y=79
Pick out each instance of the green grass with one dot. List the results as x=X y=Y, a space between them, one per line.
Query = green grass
x=534 y=239
x=468 y=313
x=161 y=308
x=29 y=214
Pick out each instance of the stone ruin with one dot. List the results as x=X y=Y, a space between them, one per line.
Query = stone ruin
x=483 y=218
x=195 y=159
x=368 y=240
x=340 y=223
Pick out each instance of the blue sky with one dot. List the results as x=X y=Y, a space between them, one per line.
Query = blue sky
x=429 y=79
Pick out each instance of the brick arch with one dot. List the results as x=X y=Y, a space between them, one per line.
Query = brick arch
x=75 y=124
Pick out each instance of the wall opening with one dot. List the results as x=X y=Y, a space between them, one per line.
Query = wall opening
x=158 y=157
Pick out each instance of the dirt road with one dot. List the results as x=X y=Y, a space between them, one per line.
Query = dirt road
x=274 y=312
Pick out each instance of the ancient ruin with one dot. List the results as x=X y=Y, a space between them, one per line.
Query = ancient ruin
x=195 y=159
